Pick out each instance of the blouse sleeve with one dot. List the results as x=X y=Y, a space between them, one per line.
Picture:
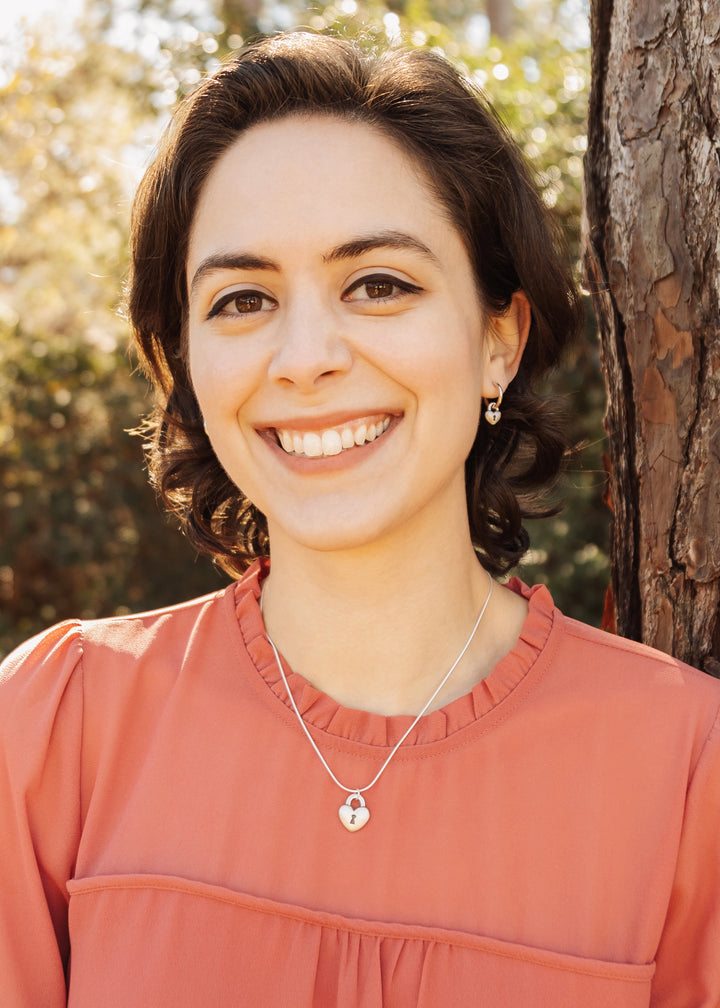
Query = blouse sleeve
x=40 y=749
x=688 y=959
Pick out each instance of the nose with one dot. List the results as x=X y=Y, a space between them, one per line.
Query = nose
x=311 y=346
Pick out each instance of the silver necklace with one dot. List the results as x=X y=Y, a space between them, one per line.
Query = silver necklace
x=354 y=818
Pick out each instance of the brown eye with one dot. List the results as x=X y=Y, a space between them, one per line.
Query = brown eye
x=245 y=303
x=379 y=288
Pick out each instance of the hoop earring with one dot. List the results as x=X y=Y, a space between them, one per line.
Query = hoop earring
x=492 y=413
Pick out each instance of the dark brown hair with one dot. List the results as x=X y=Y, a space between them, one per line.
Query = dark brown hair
x=476 y=171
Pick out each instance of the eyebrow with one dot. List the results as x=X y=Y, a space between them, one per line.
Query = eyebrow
x=230 y=261
x=384 y=239
x=351 y=249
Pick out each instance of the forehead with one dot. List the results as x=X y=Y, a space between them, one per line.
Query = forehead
x=314 y=173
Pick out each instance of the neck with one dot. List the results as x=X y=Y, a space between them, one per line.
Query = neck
x=363 y=626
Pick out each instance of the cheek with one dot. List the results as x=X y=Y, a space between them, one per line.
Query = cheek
x=456 y=381
x=222 y=378
x=449 y=362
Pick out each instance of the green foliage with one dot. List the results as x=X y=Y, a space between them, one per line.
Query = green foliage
x=80 y=532
x=569 y=552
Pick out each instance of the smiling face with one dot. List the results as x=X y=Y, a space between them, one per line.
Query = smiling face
x=335 y=336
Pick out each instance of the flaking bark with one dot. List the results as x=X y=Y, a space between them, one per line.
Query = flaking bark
x=652 y=263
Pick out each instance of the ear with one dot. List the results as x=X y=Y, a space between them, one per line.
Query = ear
x=505 y=339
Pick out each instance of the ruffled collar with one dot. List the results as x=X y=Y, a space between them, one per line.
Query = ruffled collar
x=327 y=715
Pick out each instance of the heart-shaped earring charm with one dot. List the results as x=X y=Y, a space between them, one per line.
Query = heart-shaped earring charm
x=352 y=818
x=492 y=413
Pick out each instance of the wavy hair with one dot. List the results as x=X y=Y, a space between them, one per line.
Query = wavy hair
x=475 y=170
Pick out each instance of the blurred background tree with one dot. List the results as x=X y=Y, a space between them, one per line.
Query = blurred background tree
x=80 y=109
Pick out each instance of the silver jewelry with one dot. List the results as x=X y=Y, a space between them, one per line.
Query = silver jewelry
x=353 y=818
x=492 y=413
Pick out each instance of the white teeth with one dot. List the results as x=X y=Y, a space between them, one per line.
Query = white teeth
x=312 y=445
x=332 y=441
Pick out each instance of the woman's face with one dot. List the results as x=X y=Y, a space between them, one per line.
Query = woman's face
x=336 y=339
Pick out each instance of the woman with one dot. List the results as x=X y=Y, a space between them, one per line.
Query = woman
x=366 y=773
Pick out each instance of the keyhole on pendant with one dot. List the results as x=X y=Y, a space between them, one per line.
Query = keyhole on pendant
x=352 y=818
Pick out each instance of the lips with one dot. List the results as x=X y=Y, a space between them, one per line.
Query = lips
x=331 y=440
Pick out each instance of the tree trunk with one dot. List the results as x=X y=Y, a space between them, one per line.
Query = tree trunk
x=652 y=263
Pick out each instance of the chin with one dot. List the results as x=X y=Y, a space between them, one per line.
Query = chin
x=329 y=533
x=330 y=540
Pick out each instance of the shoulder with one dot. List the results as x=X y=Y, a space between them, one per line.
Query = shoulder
x=49 y=662
x=166 y=631
x=637 y=663
x=38 y=676
x=640 y=693
x=81 y=684
x=651 y=704
x=602 y=660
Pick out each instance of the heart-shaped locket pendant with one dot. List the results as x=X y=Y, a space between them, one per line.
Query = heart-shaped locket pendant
x=352 y=818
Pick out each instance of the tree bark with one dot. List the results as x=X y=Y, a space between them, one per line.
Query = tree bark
x=652 y=264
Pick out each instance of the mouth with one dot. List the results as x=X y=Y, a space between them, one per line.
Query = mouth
x=332 y=440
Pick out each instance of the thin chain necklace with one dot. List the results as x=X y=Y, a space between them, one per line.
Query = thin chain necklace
x=351 y=817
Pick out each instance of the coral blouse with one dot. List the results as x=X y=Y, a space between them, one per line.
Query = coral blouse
x=168 y=837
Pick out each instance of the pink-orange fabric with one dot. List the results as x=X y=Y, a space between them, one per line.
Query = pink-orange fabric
x=169 y=838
